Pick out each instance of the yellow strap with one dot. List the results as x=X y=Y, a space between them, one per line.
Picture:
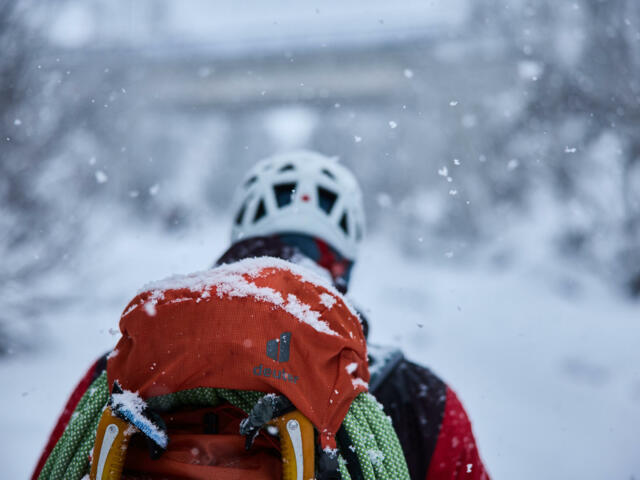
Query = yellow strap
x=297 y=443
x=110 y=448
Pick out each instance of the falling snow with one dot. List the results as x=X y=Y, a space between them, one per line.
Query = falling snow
x=101 y=177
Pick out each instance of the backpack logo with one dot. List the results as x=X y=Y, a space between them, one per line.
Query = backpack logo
x=278 y=349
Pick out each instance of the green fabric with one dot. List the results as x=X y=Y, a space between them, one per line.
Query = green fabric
x=198 y=397
x=205 y=397
x=374 y=439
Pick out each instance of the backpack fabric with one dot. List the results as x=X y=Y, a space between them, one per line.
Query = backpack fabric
x=199 y=353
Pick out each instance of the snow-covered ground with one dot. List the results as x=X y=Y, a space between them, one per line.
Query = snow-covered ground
x=544 y=357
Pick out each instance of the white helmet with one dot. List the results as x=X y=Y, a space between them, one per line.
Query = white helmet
x=301 y=192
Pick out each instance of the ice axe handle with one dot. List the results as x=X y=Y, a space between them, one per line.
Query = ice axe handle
x=297 y=444
x=110 y=449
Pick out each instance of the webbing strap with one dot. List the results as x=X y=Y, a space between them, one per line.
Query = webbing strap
x=382 y=361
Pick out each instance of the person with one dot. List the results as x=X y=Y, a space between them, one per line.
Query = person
x=306 y=208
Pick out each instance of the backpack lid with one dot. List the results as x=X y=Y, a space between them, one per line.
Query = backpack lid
x=258 y=324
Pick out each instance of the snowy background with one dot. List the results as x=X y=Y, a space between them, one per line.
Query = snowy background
x=498 y=149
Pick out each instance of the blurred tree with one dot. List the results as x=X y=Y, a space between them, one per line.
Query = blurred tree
x=577 y=131
x=16 y=197
x=36 y=121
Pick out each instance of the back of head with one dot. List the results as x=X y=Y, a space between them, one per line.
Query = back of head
x=301 y=192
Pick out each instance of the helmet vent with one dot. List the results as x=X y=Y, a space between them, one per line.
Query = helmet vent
x=344 y=225
x=240 y=215
x=328 y=174
x=284 y=193
x=326 y=199
x=260 y=212
x=250 y=182
x=287 y=168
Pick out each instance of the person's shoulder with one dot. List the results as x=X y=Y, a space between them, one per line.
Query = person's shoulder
x=418 y=386
x=421 y=374
x=395 y=380
x=430 y=420
x=389 y=366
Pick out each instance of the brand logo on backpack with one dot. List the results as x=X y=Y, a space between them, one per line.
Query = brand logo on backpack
x=278 y=349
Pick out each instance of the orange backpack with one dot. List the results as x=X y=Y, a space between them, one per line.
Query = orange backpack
x=259 y=325
x=252 y=370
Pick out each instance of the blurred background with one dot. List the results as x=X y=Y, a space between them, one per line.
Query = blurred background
x=496 y=141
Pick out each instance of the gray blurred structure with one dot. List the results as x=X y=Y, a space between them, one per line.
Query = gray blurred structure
x=395 y=112
x=455 y=133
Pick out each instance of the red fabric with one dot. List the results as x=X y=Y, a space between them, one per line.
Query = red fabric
x=180 y=339
x=456 y=454
x=65 y=416
x=328 y=260
x=198 y=456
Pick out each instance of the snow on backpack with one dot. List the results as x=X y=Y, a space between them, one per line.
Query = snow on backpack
x=253 y=370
